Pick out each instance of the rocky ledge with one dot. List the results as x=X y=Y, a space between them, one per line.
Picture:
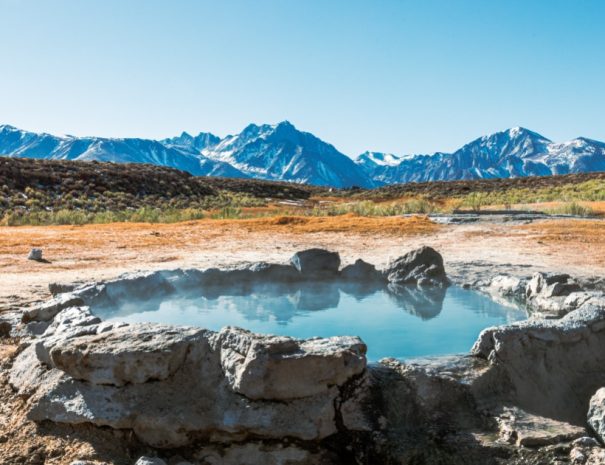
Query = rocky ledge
x=529 y=392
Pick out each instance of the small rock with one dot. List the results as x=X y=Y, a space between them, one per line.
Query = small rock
x=35 y=254
x=57 y=288
x=577 y=457
x=150 y=461
x=585 y=441
x=596 y=413
x=5 y=329
x=36 y=328
x=360 y=271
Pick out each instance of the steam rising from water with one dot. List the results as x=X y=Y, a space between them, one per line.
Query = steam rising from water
x=395 y=321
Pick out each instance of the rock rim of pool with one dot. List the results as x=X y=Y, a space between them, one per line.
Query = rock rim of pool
x=178 y=386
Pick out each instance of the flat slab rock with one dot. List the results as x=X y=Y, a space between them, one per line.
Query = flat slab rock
x=130 y=354
x=527 y=430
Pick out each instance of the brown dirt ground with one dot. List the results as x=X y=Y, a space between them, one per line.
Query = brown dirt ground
x=93 y=252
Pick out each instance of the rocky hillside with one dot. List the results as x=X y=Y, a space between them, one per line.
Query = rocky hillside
x=52 y=184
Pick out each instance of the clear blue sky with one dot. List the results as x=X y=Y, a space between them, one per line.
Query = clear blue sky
x=389 y=75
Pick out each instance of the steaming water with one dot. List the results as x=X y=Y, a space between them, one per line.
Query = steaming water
x=402 y=323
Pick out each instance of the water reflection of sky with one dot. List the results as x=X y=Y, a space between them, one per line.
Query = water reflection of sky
x=399 y=322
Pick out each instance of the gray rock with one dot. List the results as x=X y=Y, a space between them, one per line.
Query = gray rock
x=316 y=263
x=140 y=285
x=281 y=368
x=423 y=266
x=150 y=461
x=254 y=453
x=360 y=271
x=36 y=328
x=527 y=430
x=70 y=319
x=274 y=272
x=596 y=413
x=67 y=324
x=131 y=354
x=507 y=286
x=47 y=310
x=551 y=367
x=542 y=284
x=170 y=387
x=58 y=288
x=35 y=254
x=585 y=441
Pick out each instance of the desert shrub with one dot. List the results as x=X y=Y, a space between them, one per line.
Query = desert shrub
x=228 y=212
x=370 y=208
x=78 y=217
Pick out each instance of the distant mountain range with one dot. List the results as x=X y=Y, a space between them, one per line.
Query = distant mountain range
x=282 y=152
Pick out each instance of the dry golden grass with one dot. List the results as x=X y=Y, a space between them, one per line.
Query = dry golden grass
x=345 y=223
x=598 y=207
x=569 y=232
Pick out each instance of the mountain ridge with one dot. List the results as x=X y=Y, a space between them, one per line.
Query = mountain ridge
x=284 y=153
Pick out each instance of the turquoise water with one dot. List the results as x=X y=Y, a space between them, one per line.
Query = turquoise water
x=401 y=323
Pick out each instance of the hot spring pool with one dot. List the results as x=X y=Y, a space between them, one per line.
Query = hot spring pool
x=401 y=323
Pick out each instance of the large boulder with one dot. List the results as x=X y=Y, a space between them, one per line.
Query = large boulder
x=281 y=368
x=596 y=413
x=423 y=267
x=316 y=263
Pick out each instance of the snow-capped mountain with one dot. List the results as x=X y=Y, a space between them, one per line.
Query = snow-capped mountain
x=200 y=142
x=512 y=153
x=282 y=152
x=17 y=143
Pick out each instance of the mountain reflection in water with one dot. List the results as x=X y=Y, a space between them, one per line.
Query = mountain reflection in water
x=395 y=321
